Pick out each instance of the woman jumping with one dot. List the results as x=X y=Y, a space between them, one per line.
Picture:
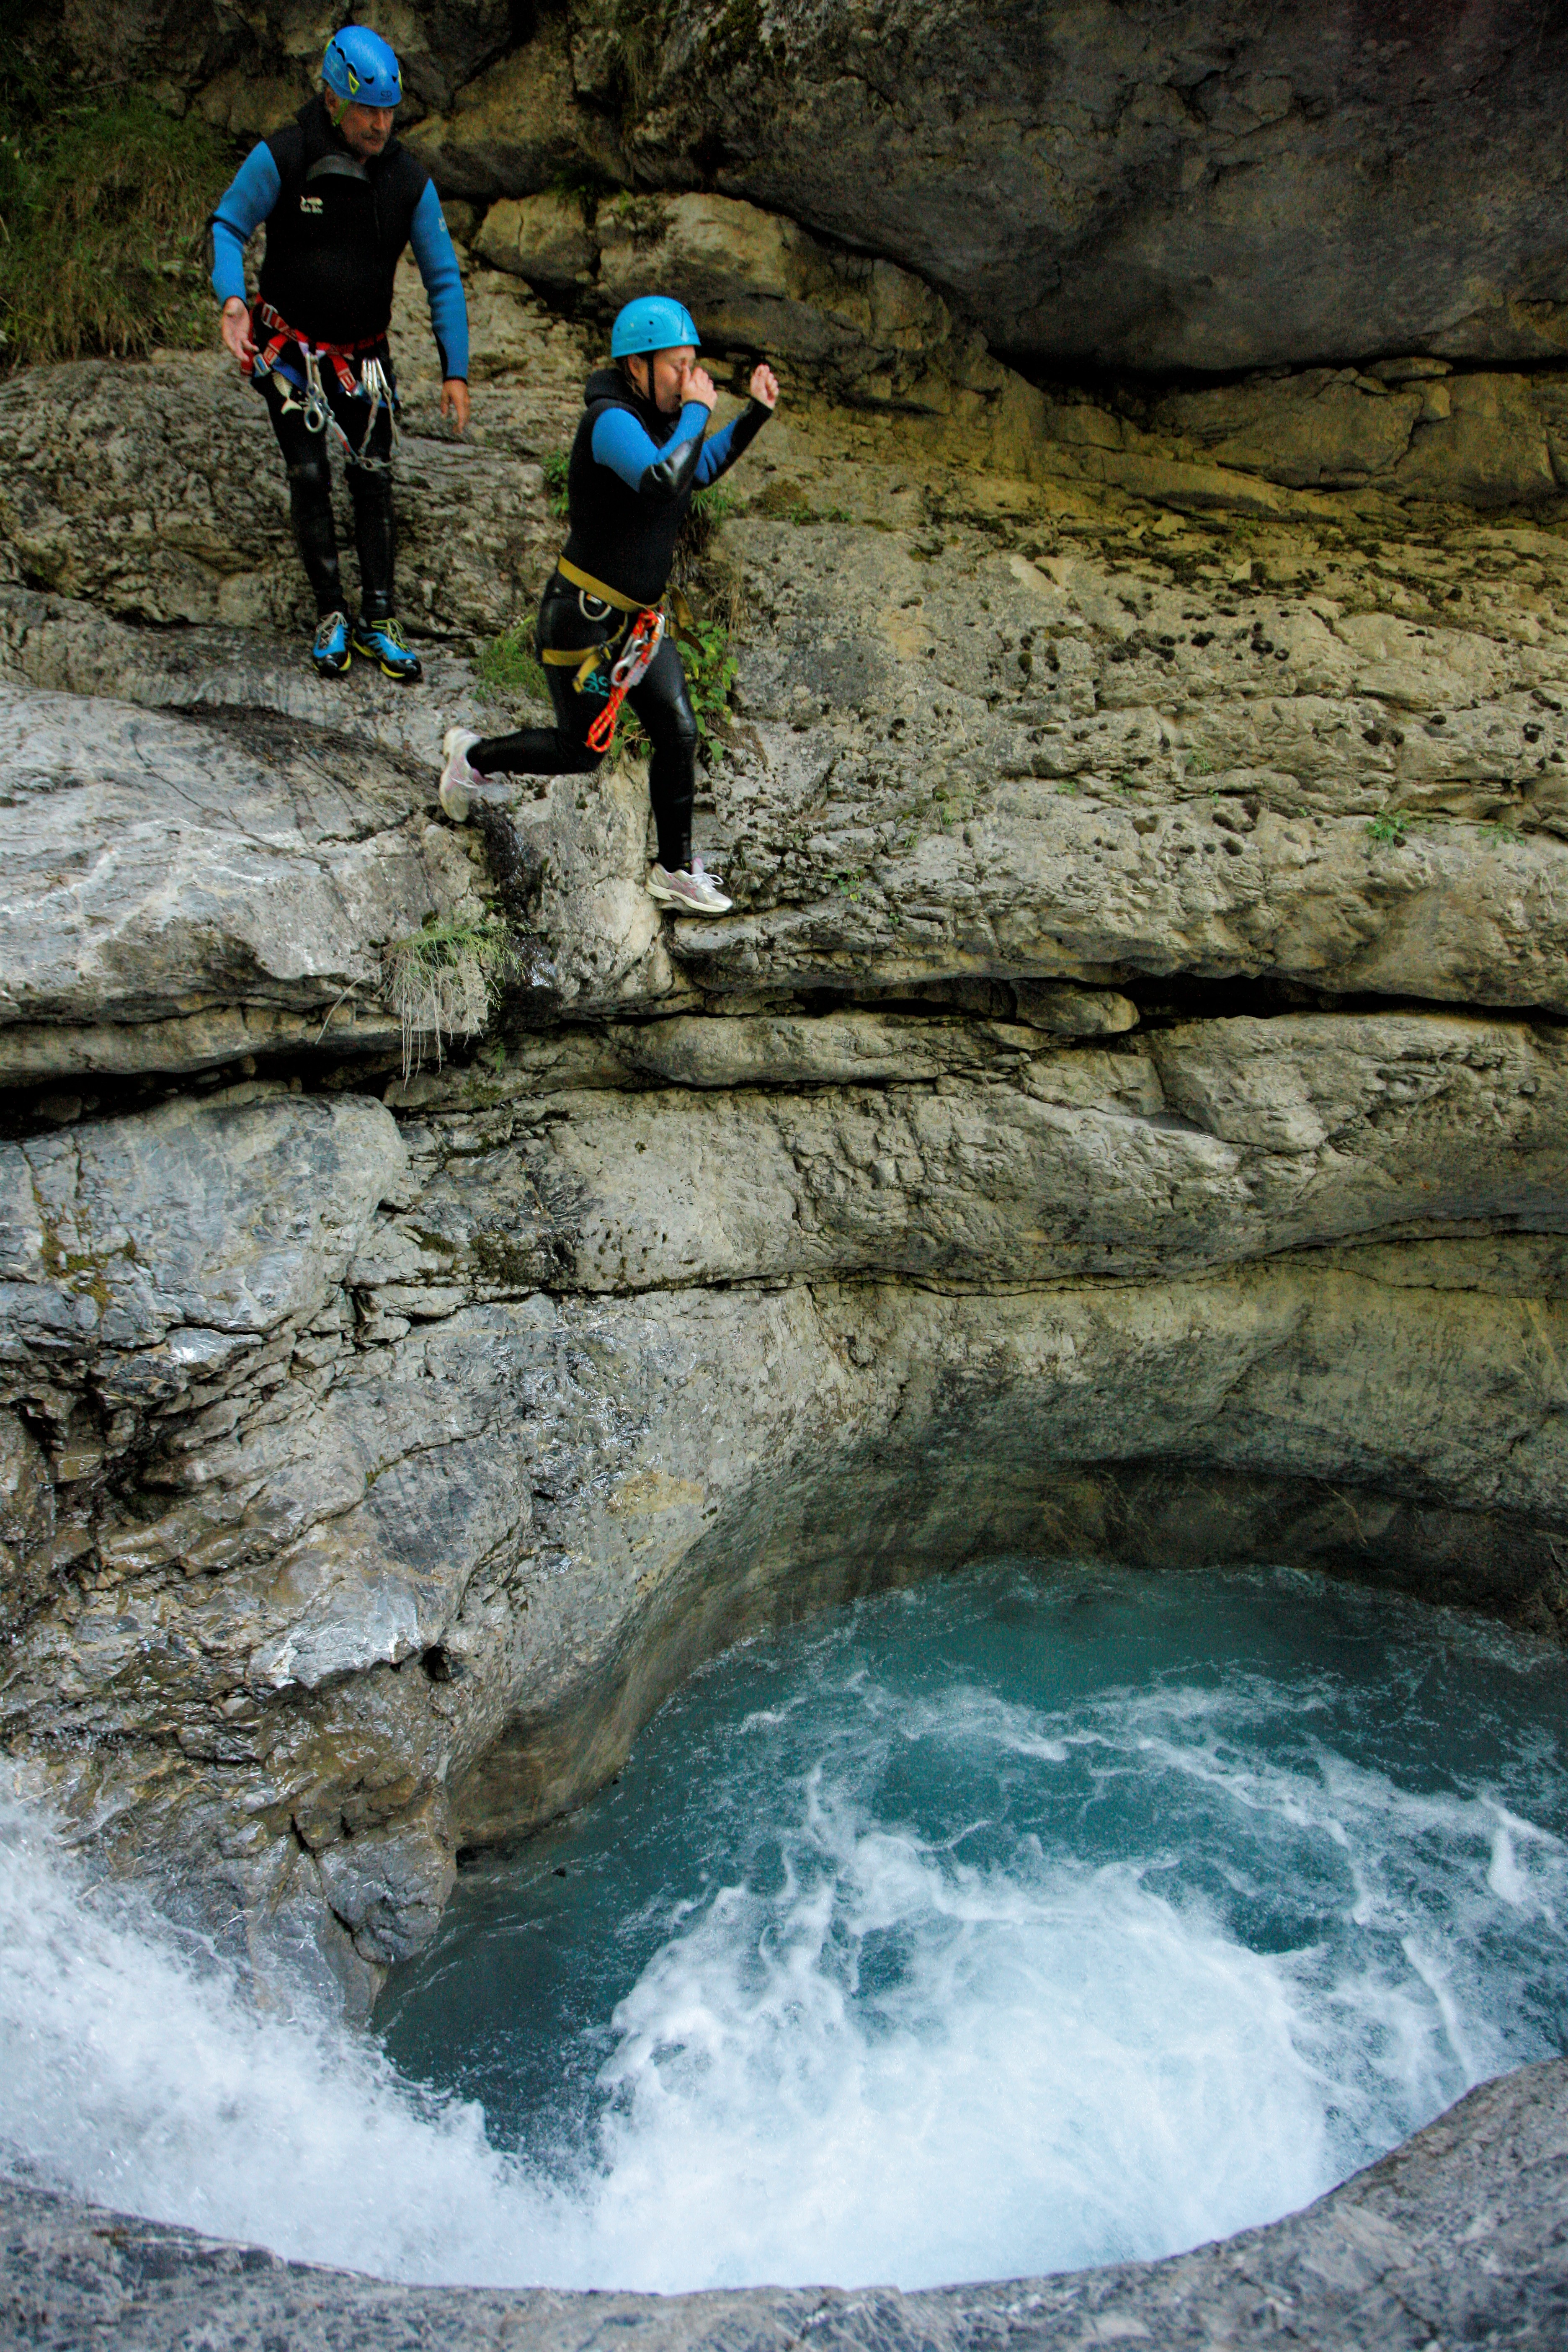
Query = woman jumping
x=638 y=456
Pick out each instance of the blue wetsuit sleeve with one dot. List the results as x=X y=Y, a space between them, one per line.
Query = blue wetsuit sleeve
x=241 y=209
x=621 y=444
x=432 y=242
x=720 y=450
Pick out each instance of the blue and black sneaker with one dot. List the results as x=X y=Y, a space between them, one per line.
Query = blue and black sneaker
x=382 y=641
x=330 y=647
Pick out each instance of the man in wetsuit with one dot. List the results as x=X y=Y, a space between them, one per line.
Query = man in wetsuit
x=638 y=456
x=340 y=198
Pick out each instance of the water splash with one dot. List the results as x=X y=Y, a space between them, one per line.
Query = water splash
x=1002 y=1927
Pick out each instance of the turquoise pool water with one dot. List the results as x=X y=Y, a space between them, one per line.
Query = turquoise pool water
x=1038 y=1918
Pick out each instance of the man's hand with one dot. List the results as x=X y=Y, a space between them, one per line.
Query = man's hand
x=765 y=387
x=236 y=329
x=697 y=384
x=455 y=402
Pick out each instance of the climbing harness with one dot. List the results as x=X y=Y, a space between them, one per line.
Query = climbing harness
x=373 y=383
x=598 y=589
x=641 y=645
x=633 y=646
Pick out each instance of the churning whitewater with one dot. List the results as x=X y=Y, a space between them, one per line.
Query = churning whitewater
x=1034 y=1919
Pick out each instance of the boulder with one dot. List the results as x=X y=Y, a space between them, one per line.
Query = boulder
x=182 y=893
x=515 y=127
x=543 y=238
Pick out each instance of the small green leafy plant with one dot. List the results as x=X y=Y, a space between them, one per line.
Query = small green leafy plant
x=1389 y=827
x=710 y=669
x=510 y=670
x=557 y=466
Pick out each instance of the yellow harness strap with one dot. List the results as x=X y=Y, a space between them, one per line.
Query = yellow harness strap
x=605 y=595
x=576 y=657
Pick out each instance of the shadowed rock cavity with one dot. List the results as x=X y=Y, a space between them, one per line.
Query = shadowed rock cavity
x=1153 y=187
x=817 y=1539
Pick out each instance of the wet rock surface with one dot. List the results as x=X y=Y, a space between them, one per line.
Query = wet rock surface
x=1458 y=2237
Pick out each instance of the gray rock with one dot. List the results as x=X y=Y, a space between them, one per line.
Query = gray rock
x=1216 y=1142
x=158 y=492
x=1149 y=189
x=182 y=891
x=354 y=1503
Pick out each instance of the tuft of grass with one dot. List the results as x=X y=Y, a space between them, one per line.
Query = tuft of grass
x=782 y=502
x=443 y=982
x=581 y=184
x=708 y=509
x=557 y=466
x=101 y=210
x=510 y=669
x=1390 y=827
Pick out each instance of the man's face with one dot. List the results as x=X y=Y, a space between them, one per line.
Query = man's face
x=365 y=128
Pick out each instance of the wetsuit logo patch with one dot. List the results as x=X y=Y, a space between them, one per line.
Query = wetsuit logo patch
x=311 y=204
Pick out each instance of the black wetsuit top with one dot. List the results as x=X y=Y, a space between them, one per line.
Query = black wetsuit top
x=334 y=235
x=623 y=536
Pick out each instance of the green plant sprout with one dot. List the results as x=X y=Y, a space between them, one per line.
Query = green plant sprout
x=510 y=670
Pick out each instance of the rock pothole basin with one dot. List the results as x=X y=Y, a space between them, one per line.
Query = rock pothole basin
x=1043 y=1916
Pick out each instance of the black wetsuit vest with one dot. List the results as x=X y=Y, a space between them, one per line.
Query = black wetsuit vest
x=334 y=235
x=618 y=535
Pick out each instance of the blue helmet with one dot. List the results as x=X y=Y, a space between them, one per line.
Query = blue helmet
x=652 y=323
x=359 y=65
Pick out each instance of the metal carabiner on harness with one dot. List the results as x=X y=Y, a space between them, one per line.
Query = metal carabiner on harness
x=641 y=645
x=318 y=414
x=377 y=390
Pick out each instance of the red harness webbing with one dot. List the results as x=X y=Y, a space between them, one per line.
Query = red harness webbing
x=281 y=334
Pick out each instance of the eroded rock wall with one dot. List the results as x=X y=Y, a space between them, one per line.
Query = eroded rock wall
x=1125 y=1115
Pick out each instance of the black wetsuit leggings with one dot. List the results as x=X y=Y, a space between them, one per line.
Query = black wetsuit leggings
x=570 y=620
x=311 y=495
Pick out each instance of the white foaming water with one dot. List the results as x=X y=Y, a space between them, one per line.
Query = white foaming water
x=957 y=1999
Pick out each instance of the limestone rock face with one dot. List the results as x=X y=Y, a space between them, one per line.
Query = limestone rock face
x=1148 y=186
x=1125 y=1115
x=183 y=893
x=159 y=493
x=1145 y=187
x=1133 y=1071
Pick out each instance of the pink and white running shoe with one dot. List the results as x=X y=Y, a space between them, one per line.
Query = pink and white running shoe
x=460 y=784
x=695 y=893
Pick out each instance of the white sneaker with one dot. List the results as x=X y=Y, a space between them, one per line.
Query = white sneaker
x=459 y=783
x=689 y=894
